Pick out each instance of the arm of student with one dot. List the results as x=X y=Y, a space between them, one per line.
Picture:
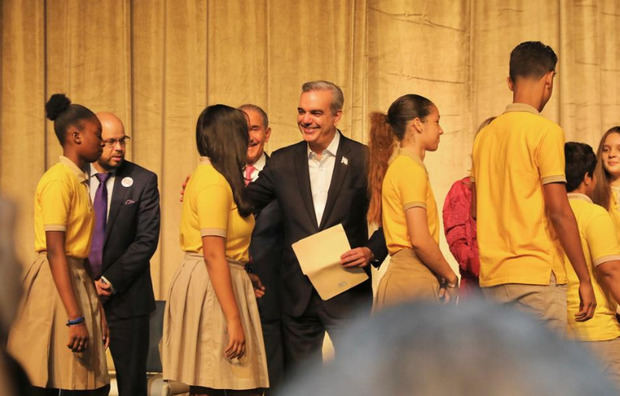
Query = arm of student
x=78 y=334
x=564 y=223
x=219 y=273
x=425 y=246
x=609 y=273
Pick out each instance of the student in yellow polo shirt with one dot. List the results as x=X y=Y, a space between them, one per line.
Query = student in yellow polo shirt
x=403 y=202
x=607 y=190
x=518 y=170
x=60 y=334
x=602 y=253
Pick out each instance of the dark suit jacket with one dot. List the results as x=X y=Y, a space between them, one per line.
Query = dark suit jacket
x=266 y=254
x=286 y=179
x=132 y=234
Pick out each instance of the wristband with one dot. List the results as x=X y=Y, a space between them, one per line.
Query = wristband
x=76 y=321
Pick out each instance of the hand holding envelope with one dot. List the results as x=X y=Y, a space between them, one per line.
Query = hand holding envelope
x=319 y=259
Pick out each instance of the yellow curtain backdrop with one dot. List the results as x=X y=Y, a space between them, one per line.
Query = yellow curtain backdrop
x=157 y=63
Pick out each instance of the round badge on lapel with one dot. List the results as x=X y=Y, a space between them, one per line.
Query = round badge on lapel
x=127 y=182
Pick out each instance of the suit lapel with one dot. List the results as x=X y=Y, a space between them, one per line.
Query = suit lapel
x=341 y=166
x=303 y=179
x=118 y=197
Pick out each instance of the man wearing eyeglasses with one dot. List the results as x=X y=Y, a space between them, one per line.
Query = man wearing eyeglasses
x=126 y=205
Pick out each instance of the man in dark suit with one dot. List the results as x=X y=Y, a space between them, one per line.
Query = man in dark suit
x=126 y=202
x=318 y=183
x=266 y=246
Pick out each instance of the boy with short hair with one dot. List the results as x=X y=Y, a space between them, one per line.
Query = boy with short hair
x=518 y=170
x=602 y=254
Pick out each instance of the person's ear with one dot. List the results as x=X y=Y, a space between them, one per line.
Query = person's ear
x=75 y=135
x=417 y=124
x=337 y=117
x=511 y=84
x=549 y=78
x=267 y=134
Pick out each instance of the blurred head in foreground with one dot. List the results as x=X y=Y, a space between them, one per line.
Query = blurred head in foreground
x=475 y=348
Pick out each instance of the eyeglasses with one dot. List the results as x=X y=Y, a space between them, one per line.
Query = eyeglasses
x=112 y=142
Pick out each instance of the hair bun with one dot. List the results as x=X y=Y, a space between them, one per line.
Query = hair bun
x=56 y=105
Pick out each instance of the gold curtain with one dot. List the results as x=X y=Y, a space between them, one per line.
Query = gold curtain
x=157 y=63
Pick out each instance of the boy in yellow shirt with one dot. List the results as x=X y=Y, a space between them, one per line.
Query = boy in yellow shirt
x=602 y=254
x=518 y=170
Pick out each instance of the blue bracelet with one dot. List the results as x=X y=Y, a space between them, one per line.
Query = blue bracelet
x=75 y=321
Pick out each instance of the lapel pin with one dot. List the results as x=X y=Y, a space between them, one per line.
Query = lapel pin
x=127 y=182
x=344 y=160
x=130 y=202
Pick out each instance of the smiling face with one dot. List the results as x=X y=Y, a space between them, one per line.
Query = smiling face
x=316 y=121
x=610 y=155
x=258 y=133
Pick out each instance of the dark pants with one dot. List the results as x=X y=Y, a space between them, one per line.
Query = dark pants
x=303 y=335
x=129 y=345
x=272 y=335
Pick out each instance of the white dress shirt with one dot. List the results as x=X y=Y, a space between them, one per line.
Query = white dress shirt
x=321 y=172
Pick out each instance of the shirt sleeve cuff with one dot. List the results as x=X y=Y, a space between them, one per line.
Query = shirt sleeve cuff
x=554 y=179
x=213 y=232
x=600 y=260
x=414 y=204
x=55 y=227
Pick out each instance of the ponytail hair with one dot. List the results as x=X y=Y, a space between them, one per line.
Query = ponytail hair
x=222 y=135
x=381 y=145
x=386 y=130
x=602 y=190
x=65 y=114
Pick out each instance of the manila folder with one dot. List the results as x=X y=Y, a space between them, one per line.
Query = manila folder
x=319 y=258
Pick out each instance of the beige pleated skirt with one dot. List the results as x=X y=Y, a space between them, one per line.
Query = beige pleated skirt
x=195 y=332
x=38 y=339
x=406 y=279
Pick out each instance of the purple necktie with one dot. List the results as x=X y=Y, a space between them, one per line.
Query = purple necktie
x=95 y=257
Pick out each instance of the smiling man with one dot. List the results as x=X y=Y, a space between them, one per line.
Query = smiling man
x=318 y=183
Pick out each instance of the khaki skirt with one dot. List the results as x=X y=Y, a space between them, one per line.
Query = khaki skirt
x=406 y=279
x=195 y=331
x=38 y=338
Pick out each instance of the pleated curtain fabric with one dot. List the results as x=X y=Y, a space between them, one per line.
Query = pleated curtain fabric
x=158 y=63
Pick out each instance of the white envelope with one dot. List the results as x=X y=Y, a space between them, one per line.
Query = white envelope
x=319 y=258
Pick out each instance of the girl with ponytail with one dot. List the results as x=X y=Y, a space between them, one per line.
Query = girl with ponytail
x=61 y=334
x=403 y=203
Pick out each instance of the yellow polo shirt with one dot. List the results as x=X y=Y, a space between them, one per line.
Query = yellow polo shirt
x=513 y=157
x=62 y=203
x=614 y=208
x=209 y=209
x=600 y=245
x=405 y=186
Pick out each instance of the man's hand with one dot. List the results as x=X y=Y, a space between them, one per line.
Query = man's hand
x=587 y=304
x=358 y=257
x=183 y=189
x=259 y=288
x=104 y=290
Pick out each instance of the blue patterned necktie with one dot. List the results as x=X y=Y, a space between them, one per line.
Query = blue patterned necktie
x=100 y=204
